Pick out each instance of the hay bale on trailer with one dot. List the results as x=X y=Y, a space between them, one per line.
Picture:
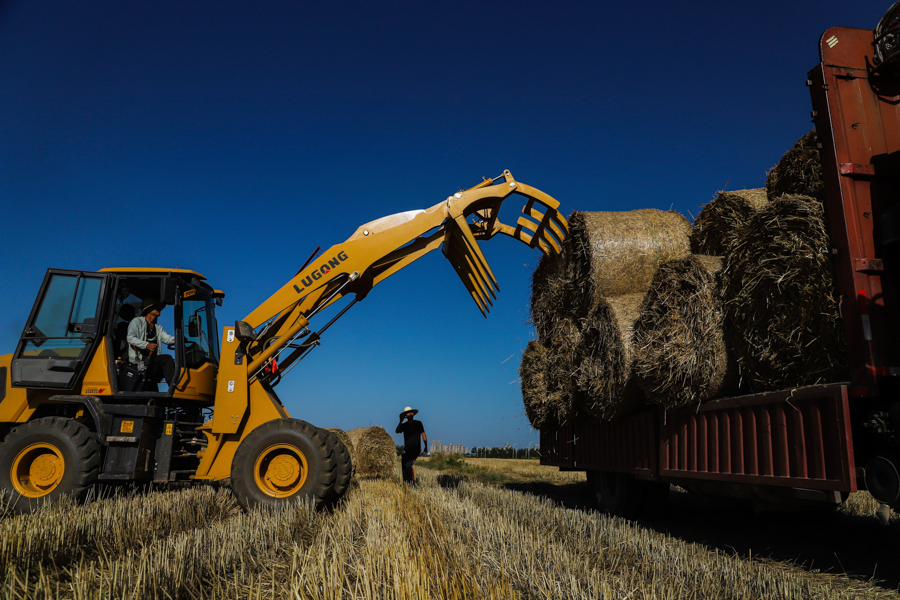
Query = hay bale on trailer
x=374 y=452
x=799 y=171
x=605 y=379
x=564 y=346
x=716 y=227
x=780 y=302
x=550 y=294
x=545 y=406
x=617 y=253
x=682 y=354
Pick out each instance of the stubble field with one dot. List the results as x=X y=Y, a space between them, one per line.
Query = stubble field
x=532 y=535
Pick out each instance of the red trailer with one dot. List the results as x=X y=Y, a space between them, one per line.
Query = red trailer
x=816 y=443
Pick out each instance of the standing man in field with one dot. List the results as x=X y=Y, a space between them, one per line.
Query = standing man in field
x=411 y=431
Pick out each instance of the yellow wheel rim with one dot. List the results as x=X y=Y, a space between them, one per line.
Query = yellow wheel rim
x=281 y=470
x=37 y=470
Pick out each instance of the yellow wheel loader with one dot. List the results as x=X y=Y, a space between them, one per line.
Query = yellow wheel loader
x=77 y=408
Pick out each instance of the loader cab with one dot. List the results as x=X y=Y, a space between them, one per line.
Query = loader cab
x=75 y=338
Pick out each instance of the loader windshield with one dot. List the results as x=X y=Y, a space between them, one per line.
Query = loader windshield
x=200 y=339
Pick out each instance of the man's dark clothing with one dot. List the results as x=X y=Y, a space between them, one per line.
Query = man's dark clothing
x=160 y=366
x=412 y=431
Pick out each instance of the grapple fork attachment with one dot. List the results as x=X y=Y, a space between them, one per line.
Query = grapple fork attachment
x=540 y=226
x=470 y=265
x=544 y=230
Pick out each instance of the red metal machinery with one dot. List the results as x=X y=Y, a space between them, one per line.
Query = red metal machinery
x=803 y=443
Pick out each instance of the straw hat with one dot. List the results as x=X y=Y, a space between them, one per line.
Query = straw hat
x=409 y=409
x=151 y=304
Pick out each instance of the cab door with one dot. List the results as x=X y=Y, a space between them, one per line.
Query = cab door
x=62 y=331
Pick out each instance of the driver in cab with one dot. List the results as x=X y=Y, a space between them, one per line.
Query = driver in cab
x=144 y=338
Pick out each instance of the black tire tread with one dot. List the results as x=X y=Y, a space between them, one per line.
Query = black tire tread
x=241 y=476
x=86 y=460
x=344 y=466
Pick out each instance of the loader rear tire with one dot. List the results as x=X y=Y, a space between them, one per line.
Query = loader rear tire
x=344 y=463
x=282 y=461
x=43 y=460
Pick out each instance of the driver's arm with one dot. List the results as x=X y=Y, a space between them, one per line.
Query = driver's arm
x=164 y=337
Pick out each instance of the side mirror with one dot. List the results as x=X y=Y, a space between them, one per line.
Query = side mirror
x=167 y=290
x=194 y=325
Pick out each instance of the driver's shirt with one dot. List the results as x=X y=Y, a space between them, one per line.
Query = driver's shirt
x=139 y=335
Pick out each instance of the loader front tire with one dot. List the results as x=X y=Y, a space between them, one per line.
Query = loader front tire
x=282 y=461
x=344 y=465
x=43 y=460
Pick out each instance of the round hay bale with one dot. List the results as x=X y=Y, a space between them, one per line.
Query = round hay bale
x=799 y=171
x=375 y=454
x=716 y=227
x=544 y=405
x=564 y=346
x=550 y=294
x=342 y=435
x=607 y=356
x=617 y=253
x=780 y=299
x=682 y=354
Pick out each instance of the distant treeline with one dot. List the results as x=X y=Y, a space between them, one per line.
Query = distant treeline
x=505 y=452
x=477 y=452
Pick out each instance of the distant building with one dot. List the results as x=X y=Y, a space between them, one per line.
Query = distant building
x=439 y=448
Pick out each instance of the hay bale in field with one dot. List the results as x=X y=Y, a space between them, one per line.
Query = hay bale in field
x=375 y=454
x=799 y=171
x=780 y=299
x=342 y=435
x=617 y=253
x=682 y=354
x=545 y=406
x=716 y=227
x=550 y=294
x=605 y=376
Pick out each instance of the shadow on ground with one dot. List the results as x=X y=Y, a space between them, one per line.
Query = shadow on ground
x=829 y=543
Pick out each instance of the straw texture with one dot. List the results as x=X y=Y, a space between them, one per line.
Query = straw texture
x=682 y=355
x=799 y=171
x=716 y=227
x=605 y=377
x=780 y=298
x=617 y=253
x=545 y=406
x=374 y=452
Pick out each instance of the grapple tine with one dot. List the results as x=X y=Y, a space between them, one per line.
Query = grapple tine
x=464 y=272
x=479 y=284
x=548 y=221
x=463 y=252
x=541 y=225
x=539 y=237
x=533 y=242
x=475 y=252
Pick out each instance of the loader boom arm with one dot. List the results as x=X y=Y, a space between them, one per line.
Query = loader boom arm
x=272 y=339
x=380 y=248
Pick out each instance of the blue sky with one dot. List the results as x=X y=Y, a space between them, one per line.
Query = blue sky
x=233 y=138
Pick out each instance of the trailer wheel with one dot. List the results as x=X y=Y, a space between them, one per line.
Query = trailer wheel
x=281 y=461
x=344 y=465
x=883 y=479
x=617 y=493
x=43 y=460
